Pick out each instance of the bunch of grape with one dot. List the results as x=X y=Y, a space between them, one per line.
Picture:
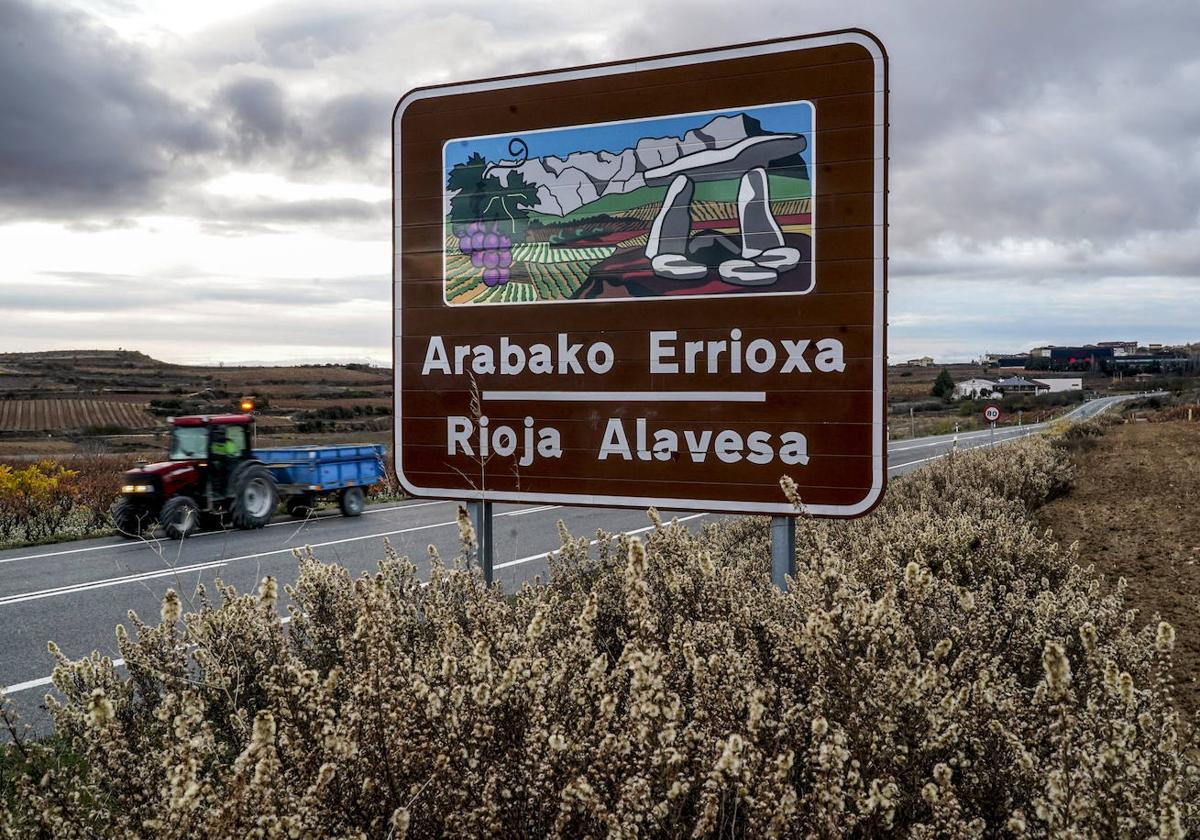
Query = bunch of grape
x=488 y=249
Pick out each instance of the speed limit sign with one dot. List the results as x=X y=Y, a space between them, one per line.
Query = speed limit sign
x=991 y=413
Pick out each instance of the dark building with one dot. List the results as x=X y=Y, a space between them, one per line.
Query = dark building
x=1085 y=358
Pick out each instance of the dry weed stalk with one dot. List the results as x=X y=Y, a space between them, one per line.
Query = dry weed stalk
x=940 y=669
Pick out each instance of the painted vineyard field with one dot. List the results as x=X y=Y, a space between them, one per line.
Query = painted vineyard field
x=71 y=415
x=550 y=258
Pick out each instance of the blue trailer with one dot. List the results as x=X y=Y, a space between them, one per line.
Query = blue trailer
x=306 y=474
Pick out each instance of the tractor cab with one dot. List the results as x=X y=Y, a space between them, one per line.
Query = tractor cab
x=219 y=442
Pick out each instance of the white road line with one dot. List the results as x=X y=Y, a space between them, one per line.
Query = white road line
x=28 y=684
x=199 y=567
x=295 y=523
x=921 y=461
x=530 y=510
x=546 y=554
x=40 y=681
x=944 y=439
x=1029 y=430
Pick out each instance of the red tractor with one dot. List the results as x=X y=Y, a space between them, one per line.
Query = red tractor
x=212 y=478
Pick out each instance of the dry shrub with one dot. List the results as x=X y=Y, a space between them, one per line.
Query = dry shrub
x=35 y=500
x=388 y=488
x=939 y=669
x=51 y=499
x=96 y=486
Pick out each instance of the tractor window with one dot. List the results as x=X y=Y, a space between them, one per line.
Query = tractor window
x=189 y=442
x=235 y=440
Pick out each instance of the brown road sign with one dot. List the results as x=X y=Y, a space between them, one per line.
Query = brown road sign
x=650 y=282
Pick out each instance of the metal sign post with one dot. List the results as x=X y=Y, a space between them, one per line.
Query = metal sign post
x=992 y=414
x=783 y=550
x=481 y=520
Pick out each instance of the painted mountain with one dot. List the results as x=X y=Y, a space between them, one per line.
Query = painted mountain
x=574 y=222
x=566 y=185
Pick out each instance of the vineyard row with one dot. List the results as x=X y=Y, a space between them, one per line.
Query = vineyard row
x=68 y=414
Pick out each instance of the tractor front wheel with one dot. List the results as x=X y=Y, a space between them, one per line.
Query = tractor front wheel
x=131 y=519
x=254 y=497
x=180 y=517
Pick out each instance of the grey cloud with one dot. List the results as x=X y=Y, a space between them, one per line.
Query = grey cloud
x=1019 y=119
x=334 y=210
x=301 y=37
x=263 y=216
x=265 y=124
x=353 y=124
x=82 y=130
x=257 y=114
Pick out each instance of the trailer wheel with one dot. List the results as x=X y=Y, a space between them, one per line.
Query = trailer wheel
x=131 y=519
x=180 y=517
x=254 y=497
x=352 y=501
x=301 y=507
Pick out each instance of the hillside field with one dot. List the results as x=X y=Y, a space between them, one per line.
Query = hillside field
x=64 y=402
x=1133 y=511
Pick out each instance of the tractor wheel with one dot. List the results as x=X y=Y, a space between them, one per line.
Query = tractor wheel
x=131 y=519
x=254 y=497
x=352 y=501
x=301 y=507
x=180 y=517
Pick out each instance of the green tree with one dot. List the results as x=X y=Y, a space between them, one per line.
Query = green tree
x=943 y=386
x=467 y=179
x=483 y=198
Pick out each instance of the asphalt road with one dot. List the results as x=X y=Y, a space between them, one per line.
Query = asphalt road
x=907 y=455
x=76 y=593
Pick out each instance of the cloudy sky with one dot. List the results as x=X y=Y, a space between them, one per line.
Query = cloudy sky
x=210 y=181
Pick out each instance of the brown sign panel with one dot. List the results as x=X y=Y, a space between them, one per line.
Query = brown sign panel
x=656 y=282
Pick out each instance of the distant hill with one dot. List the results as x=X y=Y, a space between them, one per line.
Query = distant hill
x=89 y=357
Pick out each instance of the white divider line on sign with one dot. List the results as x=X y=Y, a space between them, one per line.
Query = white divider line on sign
x=626 y=396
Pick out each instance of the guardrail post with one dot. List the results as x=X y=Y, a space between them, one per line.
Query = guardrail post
x=783 y=550
x=481 y=521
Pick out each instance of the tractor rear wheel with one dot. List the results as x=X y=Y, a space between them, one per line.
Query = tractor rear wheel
x=131 y=519
x=180 y=517
x=352 y=501
x=254 y=496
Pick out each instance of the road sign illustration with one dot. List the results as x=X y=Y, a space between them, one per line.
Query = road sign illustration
x=653 y=282
x=991 y=413
x=688 y=204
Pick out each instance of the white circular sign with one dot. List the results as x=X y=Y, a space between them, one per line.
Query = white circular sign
x=991 y=413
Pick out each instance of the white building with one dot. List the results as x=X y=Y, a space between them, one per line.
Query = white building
x=983 y=388
x=1064 y=383
x=972 y=388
